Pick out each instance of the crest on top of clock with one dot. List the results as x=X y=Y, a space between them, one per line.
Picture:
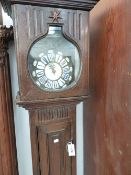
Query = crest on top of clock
x=55 y=15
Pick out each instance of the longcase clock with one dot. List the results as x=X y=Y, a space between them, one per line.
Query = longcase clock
x=52 y=47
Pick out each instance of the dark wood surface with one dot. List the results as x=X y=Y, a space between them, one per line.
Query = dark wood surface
x=48 y=124
x=108 y=112
x=72 y=4
x=86 y=5
x=8 y=157
x=27 y=32
x=51 y=113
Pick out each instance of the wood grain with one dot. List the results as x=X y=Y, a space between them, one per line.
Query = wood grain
x=108 y=112
x=51 y=113
x=8 y=156
x=49 y=157
x=24 y=17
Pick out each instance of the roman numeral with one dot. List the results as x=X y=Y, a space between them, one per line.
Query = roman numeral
x=61 y=82
x=40 y=65
x=39 y=73
x=43 y=80
x=58 y=57
x=63 y=63
x=55 y=85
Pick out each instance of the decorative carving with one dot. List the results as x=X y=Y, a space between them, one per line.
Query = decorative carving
x=51 y=129
x=37 y=17
x=8 y=157
x=55 y=15
x=54 y=113
x=6 y=34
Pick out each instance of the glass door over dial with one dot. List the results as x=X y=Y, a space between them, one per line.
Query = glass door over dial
x=54 y=62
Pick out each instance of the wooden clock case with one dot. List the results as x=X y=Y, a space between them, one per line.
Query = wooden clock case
x=52 y=114
x=31 y=22
x=35 y=21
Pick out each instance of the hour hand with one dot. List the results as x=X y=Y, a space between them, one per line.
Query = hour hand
x=52 y=67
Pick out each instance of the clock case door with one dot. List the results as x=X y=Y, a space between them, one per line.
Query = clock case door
x=32 y=23
x=52 y=129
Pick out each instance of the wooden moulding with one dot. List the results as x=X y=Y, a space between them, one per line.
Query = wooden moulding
x=86 y=5
x=8 y=157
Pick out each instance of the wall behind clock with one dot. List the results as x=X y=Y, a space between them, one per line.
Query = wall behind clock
x=108 y=126
x=21 y=118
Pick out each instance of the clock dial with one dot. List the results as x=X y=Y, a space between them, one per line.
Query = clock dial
x=52 y=71
x=54 y=62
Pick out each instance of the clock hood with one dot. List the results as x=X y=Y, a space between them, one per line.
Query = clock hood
x=86 y=5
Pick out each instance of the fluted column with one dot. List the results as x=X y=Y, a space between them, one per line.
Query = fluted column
x=8 y=160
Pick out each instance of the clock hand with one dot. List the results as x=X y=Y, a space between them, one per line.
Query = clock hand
x=53 y=71
x=52 y=67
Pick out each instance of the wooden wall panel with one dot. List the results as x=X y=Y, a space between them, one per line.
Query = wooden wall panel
x=108 y=111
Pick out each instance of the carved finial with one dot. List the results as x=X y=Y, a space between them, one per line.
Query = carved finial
x=6 y=34
x=55 y=15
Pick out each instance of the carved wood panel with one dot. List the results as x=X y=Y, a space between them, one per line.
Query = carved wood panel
x=38 y=18
x=36 y=21
x=51 y=129
x=52 y=140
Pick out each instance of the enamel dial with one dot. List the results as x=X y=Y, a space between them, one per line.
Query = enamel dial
x=52 y=71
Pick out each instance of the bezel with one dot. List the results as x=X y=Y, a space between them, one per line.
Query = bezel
x=74 y=83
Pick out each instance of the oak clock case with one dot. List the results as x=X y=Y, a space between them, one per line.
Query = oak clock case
x=52 y=56
x=34 y=25
x=53 y=70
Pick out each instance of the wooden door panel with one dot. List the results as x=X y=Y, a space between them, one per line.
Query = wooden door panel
x=53 y=138
x=47 y=125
